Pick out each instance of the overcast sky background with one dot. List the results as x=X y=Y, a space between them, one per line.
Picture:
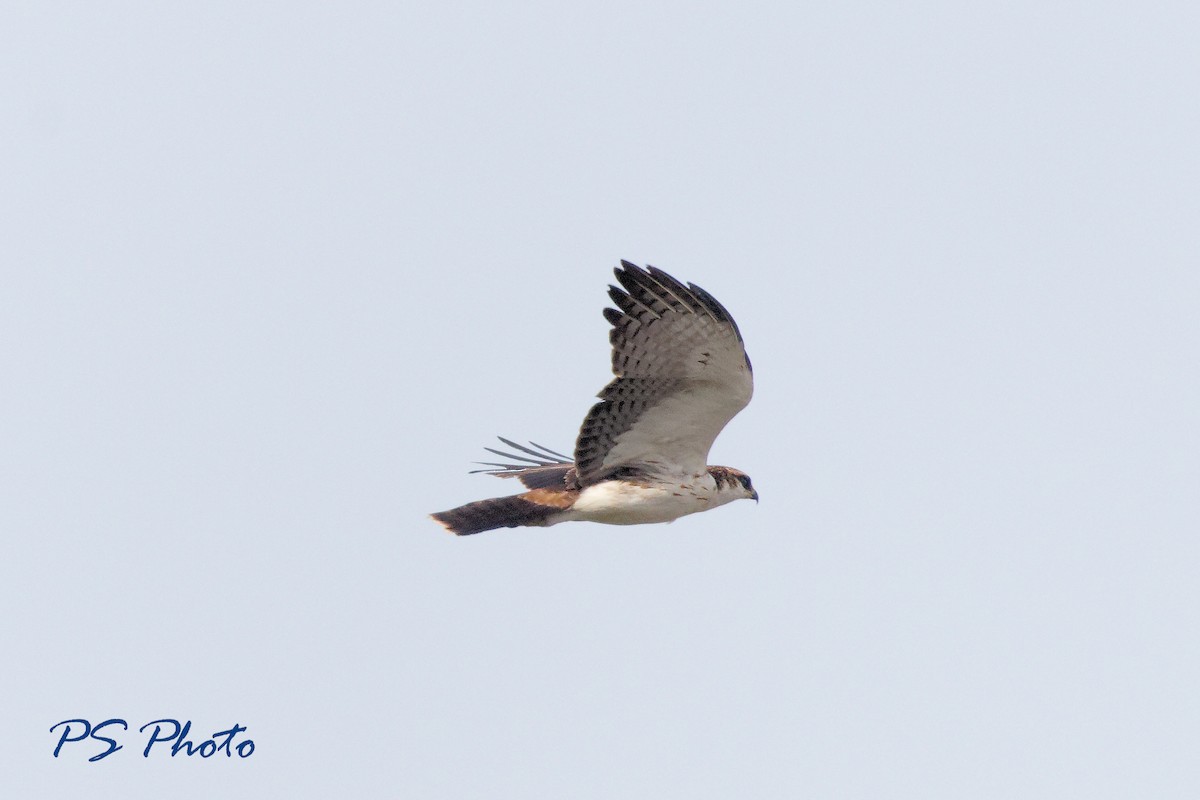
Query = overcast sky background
x=275 y=273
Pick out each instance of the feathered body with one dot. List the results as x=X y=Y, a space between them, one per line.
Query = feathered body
x=681 y=374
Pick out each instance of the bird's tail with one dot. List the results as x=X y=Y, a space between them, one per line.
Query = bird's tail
x=538 y=508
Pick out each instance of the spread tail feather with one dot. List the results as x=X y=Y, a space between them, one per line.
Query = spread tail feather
x=536 y=509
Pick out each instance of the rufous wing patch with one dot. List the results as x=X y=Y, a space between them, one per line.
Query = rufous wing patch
x=554 y=498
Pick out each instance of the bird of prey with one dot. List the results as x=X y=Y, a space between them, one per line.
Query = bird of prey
x=642 y=453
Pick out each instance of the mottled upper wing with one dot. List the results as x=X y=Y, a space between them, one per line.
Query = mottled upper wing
x=682 y=374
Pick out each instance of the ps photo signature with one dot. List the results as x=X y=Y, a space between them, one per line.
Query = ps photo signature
x=77 y=732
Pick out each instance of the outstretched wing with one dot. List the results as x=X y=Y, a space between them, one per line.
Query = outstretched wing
x=682 y=374
x=547 y=469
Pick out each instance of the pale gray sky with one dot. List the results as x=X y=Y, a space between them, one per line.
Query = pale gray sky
x=275 y=273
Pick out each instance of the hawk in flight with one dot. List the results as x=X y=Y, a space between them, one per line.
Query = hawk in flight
x=642 y=453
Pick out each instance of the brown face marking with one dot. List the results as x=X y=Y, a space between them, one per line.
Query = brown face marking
x=726 y=476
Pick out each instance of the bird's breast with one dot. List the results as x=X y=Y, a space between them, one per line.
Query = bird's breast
x=619 y=502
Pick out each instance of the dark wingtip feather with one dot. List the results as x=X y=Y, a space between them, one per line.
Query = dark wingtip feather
x=659 y=282
x=634 y=277
x=542 y=456
x=714 y=307
x=669 y=283
x=634 y=298
x=566 y=459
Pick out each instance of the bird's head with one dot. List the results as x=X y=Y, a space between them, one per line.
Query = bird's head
x=735 y=482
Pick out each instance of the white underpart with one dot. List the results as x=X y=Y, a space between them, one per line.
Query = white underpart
x=620 y=502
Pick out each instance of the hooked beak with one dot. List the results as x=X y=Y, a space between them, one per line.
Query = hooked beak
x=754 y=495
